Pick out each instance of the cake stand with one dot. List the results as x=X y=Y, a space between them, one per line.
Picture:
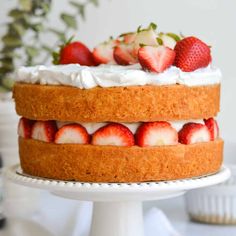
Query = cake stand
x=117 y=207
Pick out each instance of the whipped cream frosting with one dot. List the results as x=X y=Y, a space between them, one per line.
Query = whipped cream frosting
x=85 y=77
x=92 y=127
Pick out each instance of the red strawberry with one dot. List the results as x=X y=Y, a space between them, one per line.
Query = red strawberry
x=123 y=54
x=129 y=37
x=156 y=59
x=76 y=52
x=25 y=127
x=103 y=53
x=113 y=134
x=44 y=131
x=192 y=54
x=194 y=133
x=156 y=134
x=72 y=133
x=213 y=127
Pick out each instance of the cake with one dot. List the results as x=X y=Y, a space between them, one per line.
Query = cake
x=141 y=107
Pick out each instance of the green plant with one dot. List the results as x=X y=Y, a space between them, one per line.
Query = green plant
x=23 y=42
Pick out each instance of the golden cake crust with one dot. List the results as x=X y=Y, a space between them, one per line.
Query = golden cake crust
x=92 y=163
x=116 y=104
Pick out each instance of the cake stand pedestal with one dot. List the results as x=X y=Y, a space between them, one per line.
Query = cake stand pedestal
x=117 y=207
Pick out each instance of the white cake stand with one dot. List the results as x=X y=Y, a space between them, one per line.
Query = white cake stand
x=117 y=207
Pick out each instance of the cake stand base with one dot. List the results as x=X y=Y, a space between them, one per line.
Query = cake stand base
x=117 y=207
x=117 y=219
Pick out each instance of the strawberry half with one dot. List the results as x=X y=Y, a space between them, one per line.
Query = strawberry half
x=213 y=128
x=103 y=53
x=156 y=134
x=194 y=133
x=72 y=133
x=192 y=54
x=25 y=127
x=76 y=52
x=44 y=131
x=156 y=59
x=113 y=134
x=123 y=54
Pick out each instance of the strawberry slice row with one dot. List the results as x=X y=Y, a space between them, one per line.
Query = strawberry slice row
x=47 y=131
x=148 y=134
x=155 y=52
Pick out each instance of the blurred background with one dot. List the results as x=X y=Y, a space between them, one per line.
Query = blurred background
x=213 y=21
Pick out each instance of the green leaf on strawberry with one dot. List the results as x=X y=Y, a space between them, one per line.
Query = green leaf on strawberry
x=160 y=41
x=174 y=36
x=152 y=26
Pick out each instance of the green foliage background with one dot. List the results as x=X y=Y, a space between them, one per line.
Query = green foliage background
x=29 y=19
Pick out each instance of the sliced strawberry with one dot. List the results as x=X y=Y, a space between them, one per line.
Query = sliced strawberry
x=194 y=133
x=156 y=59
x=103 y=53
x=72 y=133
x=123 y=54
x=129 y=37
x=168 y=41
x=146 y=36
x=213 y=128
x=156 y=134
x=76 y=52
x=192 y=54
x=25 y=127
x=113 y=134
x=44 y=131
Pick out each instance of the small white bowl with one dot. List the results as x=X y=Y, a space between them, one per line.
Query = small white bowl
x=216 y=204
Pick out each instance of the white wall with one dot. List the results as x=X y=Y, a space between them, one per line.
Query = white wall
x=211 y=20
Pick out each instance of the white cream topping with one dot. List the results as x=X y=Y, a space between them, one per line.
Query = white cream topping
x=92 y=127
x=85 y=77
x=203 y=76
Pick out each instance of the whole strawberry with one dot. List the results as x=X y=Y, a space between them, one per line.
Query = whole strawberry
x=74 y=53
x=192 y=54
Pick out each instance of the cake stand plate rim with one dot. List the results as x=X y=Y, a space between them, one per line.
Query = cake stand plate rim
x=15 y=174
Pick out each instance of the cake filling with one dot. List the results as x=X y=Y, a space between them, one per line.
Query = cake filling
x=143 y=134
